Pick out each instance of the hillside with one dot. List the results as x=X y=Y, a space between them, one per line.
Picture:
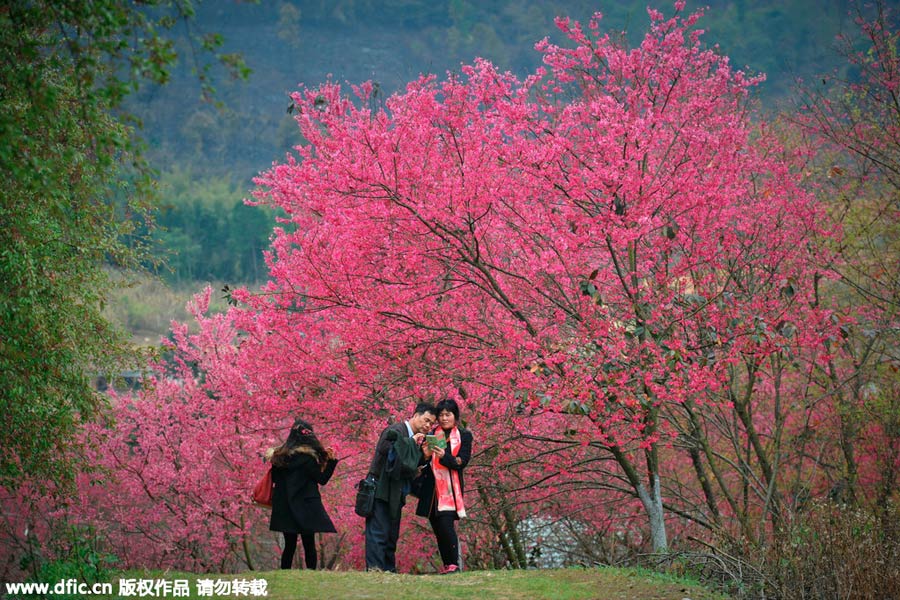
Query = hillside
x=392 y=43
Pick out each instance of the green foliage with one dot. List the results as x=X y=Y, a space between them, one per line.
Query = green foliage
x=78 y=557
x=77 y=198
x=207 y=233
x=60 y=222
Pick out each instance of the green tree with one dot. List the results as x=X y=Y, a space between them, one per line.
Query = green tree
x=206 y=232
x=76 y=197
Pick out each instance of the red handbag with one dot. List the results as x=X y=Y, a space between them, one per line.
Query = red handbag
x=262 y=491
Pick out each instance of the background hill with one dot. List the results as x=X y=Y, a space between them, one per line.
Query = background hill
x=392 y=42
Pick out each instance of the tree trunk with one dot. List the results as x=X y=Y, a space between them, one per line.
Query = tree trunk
x=652 y=501
x=511 y=553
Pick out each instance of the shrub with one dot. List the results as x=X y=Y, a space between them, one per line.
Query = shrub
x=837 y=551
x=74 y=553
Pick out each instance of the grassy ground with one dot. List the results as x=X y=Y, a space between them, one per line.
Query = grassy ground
x=558 y=584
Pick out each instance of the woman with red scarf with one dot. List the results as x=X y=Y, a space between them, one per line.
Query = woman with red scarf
x=441 y=483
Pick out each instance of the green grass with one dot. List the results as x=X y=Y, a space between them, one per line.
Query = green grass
x=558 y=584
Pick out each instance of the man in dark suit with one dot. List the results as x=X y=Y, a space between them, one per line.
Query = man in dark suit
x=383 y=526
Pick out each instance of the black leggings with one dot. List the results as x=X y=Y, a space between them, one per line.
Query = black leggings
x=290 y=546
x=444 y=526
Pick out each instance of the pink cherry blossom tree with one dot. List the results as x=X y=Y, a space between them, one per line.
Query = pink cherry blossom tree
x=612 y=238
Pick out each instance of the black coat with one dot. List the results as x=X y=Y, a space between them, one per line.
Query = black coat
x=296 y=502
x=379 y=458
x=424 y=484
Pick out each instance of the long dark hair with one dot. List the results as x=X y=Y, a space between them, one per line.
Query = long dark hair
x=301 y=439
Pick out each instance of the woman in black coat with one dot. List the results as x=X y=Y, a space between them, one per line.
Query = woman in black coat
x=441 y=484
x=299 y=467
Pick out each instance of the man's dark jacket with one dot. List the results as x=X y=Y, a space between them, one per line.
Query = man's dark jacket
x=397 y=457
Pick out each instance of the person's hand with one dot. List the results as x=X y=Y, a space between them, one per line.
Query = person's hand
x=439 y=452
x=329 y=452
x=419 y=437
x=426 y=450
